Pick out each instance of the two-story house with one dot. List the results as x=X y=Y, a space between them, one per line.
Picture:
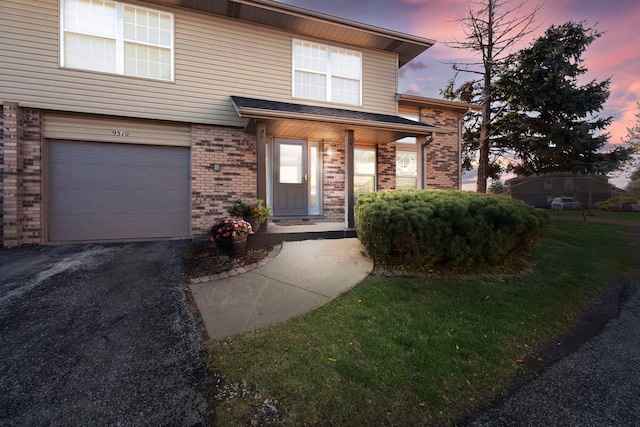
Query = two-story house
x=145 y=119
x=540 y=190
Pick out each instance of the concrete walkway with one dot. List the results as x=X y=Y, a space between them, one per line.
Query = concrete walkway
x=303 y=276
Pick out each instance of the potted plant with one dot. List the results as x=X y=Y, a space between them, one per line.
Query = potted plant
x=255 y=213
x=230 y=235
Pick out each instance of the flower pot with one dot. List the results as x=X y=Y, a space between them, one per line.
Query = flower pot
x=232 y=248
x=255 y=225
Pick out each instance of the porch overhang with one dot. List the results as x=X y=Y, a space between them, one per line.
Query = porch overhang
x=289 y=120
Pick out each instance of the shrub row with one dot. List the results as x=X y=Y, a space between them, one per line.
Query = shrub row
x=444 y=230
x=615 y=204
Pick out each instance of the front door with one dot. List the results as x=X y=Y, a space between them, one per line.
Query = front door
x=290 y=177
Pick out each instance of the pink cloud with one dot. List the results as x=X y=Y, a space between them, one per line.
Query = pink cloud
x=615 y=54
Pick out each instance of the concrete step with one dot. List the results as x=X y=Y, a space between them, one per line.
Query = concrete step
x=270 y=238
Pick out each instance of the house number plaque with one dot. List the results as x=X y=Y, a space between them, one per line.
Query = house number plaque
x=120 y=133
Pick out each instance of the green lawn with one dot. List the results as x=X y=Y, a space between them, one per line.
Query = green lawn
x=597 y=213
x=412 y=351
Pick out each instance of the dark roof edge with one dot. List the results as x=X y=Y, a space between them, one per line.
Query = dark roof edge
x=259 y=108
x=421 y=101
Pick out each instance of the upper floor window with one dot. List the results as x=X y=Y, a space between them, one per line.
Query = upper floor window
x=548 y=184
x=114 y=37
x=568 y=183
x=326 y=73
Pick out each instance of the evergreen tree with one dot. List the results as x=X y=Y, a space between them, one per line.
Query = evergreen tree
x=497 y=187
x=552 y=122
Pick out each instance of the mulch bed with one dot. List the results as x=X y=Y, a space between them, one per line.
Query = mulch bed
x=203 y=259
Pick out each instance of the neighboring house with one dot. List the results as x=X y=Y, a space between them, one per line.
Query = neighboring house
x=145 y=119
x=539 y=190
x=634 y=184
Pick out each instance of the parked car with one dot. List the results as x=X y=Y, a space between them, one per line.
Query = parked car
x=564 y=203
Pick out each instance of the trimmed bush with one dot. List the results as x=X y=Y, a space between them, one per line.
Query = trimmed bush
x=445 y=230
x=615 y=204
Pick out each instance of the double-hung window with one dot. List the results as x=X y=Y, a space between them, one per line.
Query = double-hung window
x=364 y=176
x=407 y=159
x=406 y=169
x=114 y=37
x=326 y=73
x=568 y=183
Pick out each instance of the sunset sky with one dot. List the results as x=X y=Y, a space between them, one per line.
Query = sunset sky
x=616 y=54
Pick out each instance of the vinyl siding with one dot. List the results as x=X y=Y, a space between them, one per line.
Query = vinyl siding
x=215 y=57
x=74 y=127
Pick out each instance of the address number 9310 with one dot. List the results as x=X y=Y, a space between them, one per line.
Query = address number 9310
x=120 y=133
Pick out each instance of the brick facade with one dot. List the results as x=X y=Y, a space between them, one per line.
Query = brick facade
x=443 y=153
x=387 y=166
x=21 y=184
x=333 y=182
x=212 y=192
x=2 y=175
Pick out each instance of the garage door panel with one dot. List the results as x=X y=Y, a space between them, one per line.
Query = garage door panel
x=94 y=153
x=101 y=227
x=103 y=191
x=87 y=177
x=107 y=202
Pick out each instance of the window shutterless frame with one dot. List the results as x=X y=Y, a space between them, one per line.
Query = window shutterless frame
x=365 y=170
x=118 y=38
x=326 y=73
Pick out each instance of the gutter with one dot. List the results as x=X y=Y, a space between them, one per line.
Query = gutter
x=257 y=113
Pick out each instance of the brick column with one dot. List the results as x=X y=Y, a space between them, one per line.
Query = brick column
x=21 y=175
x=387 y=166
x=10 y=174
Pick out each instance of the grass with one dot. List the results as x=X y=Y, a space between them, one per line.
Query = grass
x=412 y=351
x=598 y=214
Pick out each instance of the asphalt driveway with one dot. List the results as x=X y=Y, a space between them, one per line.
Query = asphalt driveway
x=97 y=335
x=598 y=382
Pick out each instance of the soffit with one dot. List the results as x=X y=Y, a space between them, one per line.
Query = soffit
x=313 y=24
x=290 y=120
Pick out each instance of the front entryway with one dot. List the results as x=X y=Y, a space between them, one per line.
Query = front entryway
x=295 y=177
x=290 y=177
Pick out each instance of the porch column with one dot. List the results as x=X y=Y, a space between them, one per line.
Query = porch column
x=420 y=162
x=349 y=220
x=261 y=160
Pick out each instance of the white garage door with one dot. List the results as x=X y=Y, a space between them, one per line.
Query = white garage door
x=102 y=191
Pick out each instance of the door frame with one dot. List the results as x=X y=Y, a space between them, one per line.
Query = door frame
x=290 y=198
x=312 y=156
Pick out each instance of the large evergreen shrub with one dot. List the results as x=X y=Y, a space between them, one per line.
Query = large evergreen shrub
x=445 y=230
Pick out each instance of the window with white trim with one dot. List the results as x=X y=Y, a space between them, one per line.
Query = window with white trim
x=364 y=174
x=548 y=184
x=326 y=73
x=568 y=183
x=406 y=169
x=114 y=37
x=407 y=158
